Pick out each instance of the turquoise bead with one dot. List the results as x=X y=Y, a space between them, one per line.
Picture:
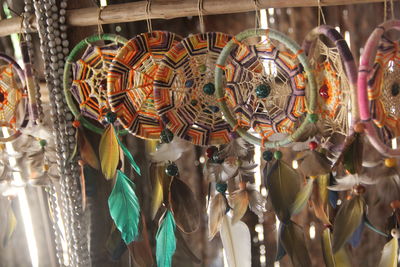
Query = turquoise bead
x=263 y=90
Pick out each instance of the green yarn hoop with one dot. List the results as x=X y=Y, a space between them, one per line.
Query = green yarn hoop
x=72 y=57
x=310 y=90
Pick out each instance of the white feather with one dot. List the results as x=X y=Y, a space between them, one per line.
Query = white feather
x=171 y=151
x=371 y=164
x=215 y=172
x=389 y=254
x=236 y=242
x=348 y=182
x=236 y=148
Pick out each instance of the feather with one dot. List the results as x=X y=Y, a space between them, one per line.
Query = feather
x=171 y=151
x=326 y=244
x=124 y=207
x=140 y=250
x=217 y=212
x=186 y=249
x=239 y=201
x=215 y=172
x=115 y=246
x=257 y=202
x=109 y=152
x=237 y=148
x=280 y=250
x=236 y=242
x=11 y=225
x=283 y=186
x=355 y=238
x=86 y=150
x=347 y=220
x=342 y=258
x=389 y=256
x=165 y=240
x=349 y=181
x=302 y=197
x=352 y=156
x=246 y=171
x=313 y=163
x=83 y=186
x=292 y=238
x=319 y=198
x=127 y=154
x=184 y=205
x=157 y=193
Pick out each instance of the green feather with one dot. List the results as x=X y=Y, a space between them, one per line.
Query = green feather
x=124 y=207
x=165 y=241
x=347 y=220
x=302 y=197
x=294 y=243
x=326 y=244
x=128 y=155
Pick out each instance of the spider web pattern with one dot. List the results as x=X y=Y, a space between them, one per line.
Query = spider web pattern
x=330 y=76
x=185 y=108
x=11 y=93
x=89 y=86
x=265 y=64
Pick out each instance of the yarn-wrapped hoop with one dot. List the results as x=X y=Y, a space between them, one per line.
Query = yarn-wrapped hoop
x=89 y=79
x=379 y=88
x=185 y=93
x=13 y=99
x=266 y=87
x=336 y=79
x=130 y=82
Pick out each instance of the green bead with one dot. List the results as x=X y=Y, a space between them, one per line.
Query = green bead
x=209 y=88
x=166 y=136
x=263 y=90
x=277 y=155
x=221 y=187
x=194 y=102
x=313 y=117
x=202 y=68
x=111 y=117
x=171 y=170
x=268 y=155
x=42 y=142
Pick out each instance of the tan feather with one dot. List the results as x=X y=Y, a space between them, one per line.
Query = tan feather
x=239 y=201
x=109 y=152
x=216 y=214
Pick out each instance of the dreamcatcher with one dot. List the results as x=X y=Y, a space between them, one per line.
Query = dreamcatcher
x=184 y=90
x=378 y=88
x=130 y=82
x=266 y=87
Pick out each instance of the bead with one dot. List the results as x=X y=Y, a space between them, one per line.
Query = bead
x=166 y=136
x=277 y=154
x=242 y=185
x=209 y=88
x=42 y=142
x=395 y=204
x=390 y=162
x=395 y=233
x=210 y=151
x=214 y=109
x=46 y=167
x=221 y=187
x=359 y=189
x=267 y=155
x=359 y=127
x=202 y=68
x=171 y=169
x=395 y=90
x=263 y=90
x=312 y=145
x=111 y=117
x=323 y=91
x=194 y=102
x=313 y=118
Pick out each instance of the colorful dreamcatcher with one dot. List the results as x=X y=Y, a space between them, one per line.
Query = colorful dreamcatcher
x=184 y=90
x=130 y=82
x=266 y=86
x=13 y=99
x=379 y=88
x=336 y=79
x=89 y=78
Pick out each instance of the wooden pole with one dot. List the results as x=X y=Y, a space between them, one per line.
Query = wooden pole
x=168 y=9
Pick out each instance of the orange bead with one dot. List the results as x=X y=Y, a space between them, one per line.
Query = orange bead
x=359 y=189
x=76 y=124
x=359 y=127
x=242 y=185
x=395 y=204
x=390 y=162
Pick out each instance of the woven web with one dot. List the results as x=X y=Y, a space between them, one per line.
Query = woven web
x=11 y=93
x=89 y=86
x=265 y=63
x=333 y=106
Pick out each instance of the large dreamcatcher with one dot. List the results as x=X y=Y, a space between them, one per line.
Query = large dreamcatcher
x=266 y=86
x=89 y=78
x=336 y=79
x=130 y=82
x=13 y=99
x=184 y=90
x=379 y=88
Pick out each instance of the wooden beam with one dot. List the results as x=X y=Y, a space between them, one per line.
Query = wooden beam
x=168 y=9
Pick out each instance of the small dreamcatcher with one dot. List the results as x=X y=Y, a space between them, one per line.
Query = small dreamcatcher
x=379 y=88
x=336 y=79
x=267 y=76
x=184 y=90
x=130 y=82
x=89 y=78
x=13 y=99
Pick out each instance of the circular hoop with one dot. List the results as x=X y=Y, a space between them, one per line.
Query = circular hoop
x=72 y=57
x=347 y=60
x=365 y=69
x=130 y=82
x=15 y=66
x=221 y=91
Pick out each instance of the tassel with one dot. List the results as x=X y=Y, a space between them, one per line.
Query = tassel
x=165 y=241
x=390 y=253
x=217 y=212
x=124 y=207
x=109 y=152
x=127 y=154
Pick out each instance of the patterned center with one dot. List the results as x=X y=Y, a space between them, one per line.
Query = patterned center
x=11 y=93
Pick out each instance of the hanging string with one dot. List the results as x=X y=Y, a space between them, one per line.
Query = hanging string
x=392 y=9
x=148 y=20
x=257 y=17
x=200 y=10
x=385 y=10
x=320 y=14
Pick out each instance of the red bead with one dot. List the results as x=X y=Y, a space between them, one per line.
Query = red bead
x=76 y=124
x=312 y=145
x=210 y=151
x=323 y=91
